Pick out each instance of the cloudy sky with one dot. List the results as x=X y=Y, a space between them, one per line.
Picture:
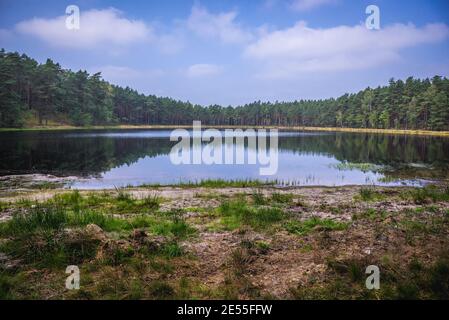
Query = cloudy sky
x=233 y=52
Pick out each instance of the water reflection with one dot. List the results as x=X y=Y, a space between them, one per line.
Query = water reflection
x=116 y=158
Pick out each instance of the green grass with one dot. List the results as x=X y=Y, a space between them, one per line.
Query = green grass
x=4 y=206
x=364 y=167
x=282 y=198
x=8 y=282
x=47 y=237
x=306 y=248
x=263 y=246
x=239 y=261
x=179 y=229
x=434 y=225
x=122 y=195
x=216 y=183
x=161 y=290
x=52 y=248
x=120 y=203
x=50 y=236
x=172 y=250
x=370 y=214
x=117 y=255
x=355 y=269
x=90 y=217
x=276 y=198
x=237 y=213
x=39 y=218
x=125 y=203
x=161 y=266
x=427 y=194
x=306 y=226
x=369 y=194
x=6 y=285
x=259 y=198
x=152 y=202
x=51 y=216
x=415 y=280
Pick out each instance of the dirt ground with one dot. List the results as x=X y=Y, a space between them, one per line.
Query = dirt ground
x=398 y=232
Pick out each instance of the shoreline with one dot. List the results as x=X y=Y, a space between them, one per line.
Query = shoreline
x=283 y=128
x=34 y=183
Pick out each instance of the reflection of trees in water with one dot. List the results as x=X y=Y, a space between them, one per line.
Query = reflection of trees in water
x=373 y=148
x=75 y=156
x=34 y=152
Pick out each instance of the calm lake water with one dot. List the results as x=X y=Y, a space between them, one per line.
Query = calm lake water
x=108 y=158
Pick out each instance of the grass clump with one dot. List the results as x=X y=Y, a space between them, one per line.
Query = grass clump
x=174 y=225
x=39 y=218
x=120 y=203
x=52 y=249
x=237 y=213
x=117 y=255
x=172 y=250
x=259 y=198
x=282 y=198
x=152 y=202
x=428 y=194
x=125 y=203
x=179 y=229
x=415 y=227
x=6 y=286
x=240 y=260
x=161 y=290
x=263 y=246
x=122 y=195
x=369 y=194
x=306 y=226
x=355 y=269
x=276 y=198
x=10 y=283
x=51 y=216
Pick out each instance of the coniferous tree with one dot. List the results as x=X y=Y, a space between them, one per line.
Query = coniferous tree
x=29 y=90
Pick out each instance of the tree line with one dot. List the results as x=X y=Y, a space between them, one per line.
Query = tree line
x=46 y=92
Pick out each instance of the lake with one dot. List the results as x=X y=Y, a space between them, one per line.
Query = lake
x=114 y=158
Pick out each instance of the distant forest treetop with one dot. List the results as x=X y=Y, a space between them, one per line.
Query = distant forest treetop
x=46 y=92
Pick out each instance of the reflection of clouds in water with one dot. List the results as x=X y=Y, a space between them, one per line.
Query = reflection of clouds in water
x=294 y=170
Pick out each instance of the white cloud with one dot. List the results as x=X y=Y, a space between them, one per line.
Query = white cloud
x=170 y=43
x=303 y=49
x=202 y=70
x=305 y=5
x=221 y=26
x=97 y=27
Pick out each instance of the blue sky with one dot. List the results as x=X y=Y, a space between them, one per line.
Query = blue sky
x=234 y=52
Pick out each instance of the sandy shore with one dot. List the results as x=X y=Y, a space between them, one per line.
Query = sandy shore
x=284 y=128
